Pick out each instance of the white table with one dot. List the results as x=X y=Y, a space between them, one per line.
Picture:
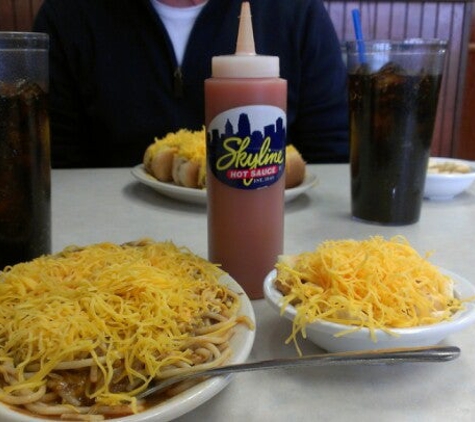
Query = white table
x=95 y=205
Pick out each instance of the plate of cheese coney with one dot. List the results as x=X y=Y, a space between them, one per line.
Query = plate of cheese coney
x=175 y=166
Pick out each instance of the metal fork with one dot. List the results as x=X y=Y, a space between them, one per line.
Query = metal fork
x=369 y=357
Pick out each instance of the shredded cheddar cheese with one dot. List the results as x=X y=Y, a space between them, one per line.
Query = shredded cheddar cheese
x=190 y=144
x=373 y=283
x=130 y=313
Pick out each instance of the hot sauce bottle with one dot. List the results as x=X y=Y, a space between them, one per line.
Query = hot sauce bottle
x=245 y=106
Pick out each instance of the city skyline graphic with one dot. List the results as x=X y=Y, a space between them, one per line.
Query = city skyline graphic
x=274 y=131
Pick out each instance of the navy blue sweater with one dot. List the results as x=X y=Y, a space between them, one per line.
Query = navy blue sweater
x=115 y=84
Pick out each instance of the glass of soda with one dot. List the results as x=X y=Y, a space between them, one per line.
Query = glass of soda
x=25 y=170
x=393 y=89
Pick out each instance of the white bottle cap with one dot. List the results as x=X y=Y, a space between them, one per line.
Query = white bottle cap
x=245 y=63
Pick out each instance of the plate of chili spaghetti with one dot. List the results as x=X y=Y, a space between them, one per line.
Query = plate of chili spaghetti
x=85 y=331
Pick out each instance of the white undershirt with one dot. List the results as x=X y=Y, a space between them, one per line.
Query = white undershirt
x=179 y=22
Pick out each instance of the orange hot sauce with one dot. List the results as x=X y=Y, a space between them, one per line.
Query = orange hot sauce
x=245 y=103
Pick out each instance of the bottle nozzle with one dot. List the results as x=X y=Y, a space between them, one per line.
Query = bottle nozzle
x=245 y=40
x=245 y=63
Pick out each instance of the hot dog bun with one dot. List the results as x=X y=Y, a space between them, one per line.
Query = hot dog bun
x=294 y=167
x=180 y=157
x=160 y=163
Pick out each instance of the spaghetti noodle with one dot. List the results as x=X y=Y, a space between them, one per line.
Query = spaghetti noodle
x=84 y=331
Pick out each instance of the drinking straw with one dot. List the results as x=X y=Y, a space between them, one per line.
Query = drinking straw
x=359 y=35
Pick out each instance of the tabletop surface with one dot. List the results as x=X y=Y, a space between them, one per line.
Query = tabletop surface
x=95 y=205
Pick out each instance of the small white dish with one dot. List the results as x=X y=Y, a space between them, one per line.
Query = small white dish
x=445 y=186
x=198 y=196
x=241 y=344
x=322 y=333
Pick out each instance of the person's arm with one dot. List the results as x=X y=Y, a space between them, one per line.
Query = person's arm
x=320 y=130
x=64 y=95
x=301 y=33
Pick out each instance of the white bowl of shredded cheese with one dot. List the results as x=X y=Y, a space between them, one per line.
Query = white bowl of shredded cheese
x=334 y=337
x=447 y=178
x=353 y=313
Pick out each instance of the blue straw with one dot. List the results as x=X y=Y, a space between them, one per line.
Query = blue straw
x=359 y=35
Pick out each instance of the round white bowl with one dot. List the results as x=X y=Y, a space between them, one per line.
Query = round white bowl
x=444 y=186
x=322 y=333
x=241 y=344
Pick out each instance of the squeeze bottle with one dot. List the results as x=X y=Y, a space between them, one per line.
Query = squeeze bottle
x=245 y=118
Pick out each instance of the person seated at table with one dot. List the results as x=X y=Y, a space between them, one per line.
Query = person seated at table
x=125 y=72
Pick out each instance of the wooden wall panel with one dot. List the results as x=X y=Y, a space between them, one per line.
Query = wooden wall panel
x=18 y=15
x=466 y=145
x=7 y=20
x=409 y=19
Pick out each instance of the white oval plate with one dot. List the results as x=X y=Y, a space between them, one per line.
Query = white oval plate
x=241 y=344
x=198 y=196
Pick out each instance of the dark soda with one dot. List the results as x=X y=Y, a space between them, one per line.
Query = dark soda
x=392 y=116
x=25 y=174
